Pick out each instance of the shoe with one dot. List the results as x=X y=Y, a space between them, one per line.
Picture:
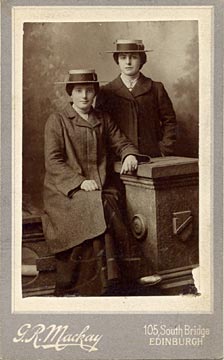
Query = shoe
x=149 y=280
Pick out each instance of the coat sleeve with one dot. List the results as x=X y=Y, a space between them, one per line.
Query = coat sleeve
x=120 y=144
x=168 y=121
x=67 y=179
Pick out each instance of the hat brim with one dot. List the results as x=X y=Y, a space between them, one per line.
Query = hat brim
x=77 y=82
x=128 y=51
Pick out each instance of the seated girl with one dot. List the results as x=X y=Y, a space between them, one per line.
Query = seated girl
x=83 y=224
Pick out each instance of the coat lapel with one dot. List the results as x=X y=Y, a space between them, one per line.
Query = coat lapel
x=120 y=89
x=142 y=86
x=95 y=118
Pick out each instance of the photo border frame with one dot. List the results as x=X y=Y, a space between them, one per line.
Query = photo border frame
x=115 y=349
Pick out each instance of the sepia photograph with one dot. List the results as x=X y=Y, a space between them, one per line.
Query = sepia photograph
x=110 y=158
x=111 y=180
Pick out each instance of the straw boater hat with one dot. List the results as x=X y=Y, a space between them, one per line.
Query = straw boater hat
x=81 y=76
x=129 y=46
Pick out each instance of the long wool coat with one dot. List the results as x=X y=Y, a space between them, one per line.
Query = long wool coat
x=145 y=114
x=76 y=150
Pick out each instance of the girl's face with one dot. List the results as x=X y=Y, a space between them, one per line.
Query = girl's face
x=82 y=96
x=129 y=63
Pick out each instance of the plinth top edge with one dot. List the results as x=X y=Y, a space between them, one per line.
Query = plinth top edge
x=165 y=167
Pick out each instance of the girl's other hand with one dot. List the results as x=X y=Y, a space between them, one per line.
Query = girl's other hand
x=89 y=185
x=130 y=164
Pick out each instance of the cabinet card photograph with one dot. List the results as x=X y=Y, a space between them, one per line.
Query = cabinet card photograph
x=110 y=247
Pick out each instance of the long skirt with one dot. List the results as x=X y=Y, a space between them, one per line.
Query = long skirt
x=89 y=268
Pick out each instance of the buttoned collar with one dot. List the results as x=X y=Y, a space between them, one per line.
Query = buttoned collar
x=95 y=117
x=83 y=115
x=128 y=81
x=142 y=86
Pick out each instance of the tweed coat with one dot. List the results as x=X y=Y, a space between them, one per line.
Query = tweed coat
x=145 y=114
x=76 y=150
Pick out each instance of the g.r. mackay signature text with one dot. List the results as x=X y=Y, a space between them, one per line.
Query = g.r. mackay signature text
x=57 y=337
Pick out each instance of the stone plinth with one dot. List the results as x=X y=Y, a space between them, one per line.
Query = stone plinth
x=162 y=207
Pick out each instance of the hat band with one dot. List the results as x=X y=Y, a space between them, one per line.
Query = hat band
x=82 y=77
x=129 y=47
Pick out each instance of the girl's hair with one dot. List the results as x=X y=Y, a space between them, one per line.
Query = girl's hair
x=69 y=87
x=143 y=58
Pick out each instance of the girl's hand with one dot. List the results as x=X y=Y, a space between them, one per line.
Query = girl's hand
x=130 y=164
x=89 y=185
